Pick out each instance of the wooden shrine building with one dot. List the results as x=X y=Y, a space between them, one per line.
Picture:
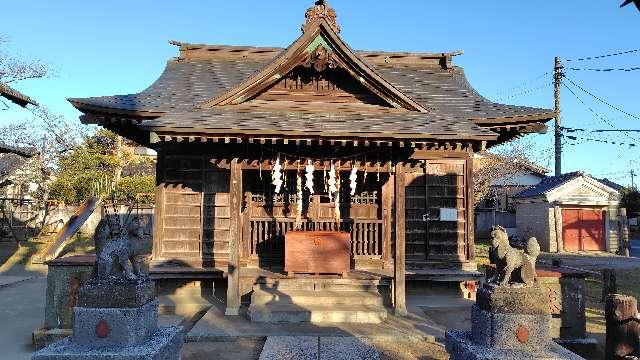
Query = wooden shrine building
x=221 y=117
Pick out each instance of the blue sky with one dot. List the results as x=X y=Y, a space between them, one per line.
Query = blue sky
x=116 y=47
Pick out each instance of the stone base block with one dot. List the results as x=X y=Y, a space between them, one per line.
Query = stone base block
x=509 y=331
x=513 y=299
x=108 y=327
x=460 y=346
x=116 y=293
x=165 y=344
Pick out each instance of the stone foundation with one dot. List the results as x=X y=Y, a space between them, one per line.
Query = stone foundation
x=507 y=323
x=107 y=332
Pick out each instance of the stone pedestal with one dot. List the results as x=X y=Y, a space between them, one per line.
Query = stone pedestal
x=507 y=323
x=116 y=320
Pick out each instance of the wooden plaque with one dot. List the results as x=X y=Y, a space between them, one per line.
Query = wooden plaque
x=317 y=252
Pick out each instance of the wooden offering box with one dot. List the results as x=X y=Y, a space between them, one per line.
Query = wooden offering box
x=317 y=252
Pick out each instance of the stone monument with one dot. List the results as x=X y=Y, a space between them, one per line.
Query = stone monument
x=511 y=317
x=117 y=310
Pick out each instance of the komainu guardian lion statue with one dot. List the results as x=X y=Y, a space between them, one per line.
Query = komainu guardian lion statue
x=509 y=259
x=117 y=246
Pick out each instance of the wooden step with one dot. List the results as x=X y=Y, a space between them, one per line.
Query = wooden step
x=290 y=313
x=311 y=297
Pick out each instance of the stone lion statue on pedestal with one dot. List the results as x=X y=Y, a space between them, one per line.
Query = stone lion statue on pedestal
x=509 y=259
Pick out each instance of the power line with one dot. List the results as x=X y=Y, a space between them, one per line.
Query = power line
x=568 y=129
x=526 y=92
x=601 y=100
x=593 y=111
x=605 y=69
x=604 y=56
x=588 y=107
x=575 y=138
x=522 y=84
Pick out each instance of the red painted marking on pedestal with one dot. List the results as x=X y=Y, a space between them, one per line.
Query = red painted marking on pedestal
x=522 y=333
x=103 y=329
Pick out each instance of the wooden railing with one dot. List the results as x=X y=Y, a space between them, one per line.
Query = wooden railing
x=266 y=235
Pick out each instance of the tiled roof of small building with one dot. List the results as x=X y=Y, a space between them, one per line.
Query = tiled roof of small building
x=548 y=184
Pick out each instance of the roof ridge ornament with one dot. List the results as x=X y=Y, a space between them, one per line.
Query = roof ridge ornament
x=321 y=10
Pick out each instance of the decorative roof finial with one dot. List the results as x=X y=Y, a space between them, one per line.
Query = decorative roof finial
x=321 y=10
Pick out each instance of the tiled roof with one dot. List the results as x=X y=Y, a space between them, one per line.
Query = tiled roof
x=611 y=184
x=186 y=84
x=182 y=86
x=175 y=99
x=22 y=151
x=548 y=184
x=417 y=125
x=15 y=96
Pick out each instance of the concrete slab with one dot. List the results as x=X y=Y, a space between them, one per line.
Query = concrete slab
x=347 y=348
x=290 y=347
x=22 y=306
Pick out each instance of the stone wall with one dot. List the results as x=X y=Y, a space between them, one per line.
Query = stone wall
x=535 y=219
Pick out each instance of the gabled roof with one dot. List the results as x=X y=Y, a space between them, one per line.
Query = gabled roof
x=15 y=96
x=611 y=184
x=553 y=182
x=207 y=87
x=319 y=47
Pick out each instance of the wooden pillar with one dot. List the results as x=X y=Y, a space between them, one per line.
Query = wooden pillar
x=387 y=205
x=235 y=238
x=470 y=220
x=557 y=216
x=399 y=296
x=158 y=210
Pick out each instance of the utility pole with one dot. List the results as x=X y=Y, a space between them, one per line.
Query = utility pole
x=557 y=78
x=633 y=176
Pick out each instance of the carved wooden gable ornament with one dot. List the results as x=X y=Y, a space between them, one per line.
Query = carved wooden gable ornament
x=321 y=61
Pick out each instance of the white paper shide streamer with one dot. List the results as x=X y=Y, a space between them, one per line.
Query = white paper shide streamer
x=309 y=175
x=277 y=176
x=332 y=182
x=299 y=202
x=353 y=177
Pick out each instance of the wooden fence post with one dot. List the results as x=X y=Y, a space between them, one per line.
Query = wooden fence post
x=623 y=327
x=608 y=283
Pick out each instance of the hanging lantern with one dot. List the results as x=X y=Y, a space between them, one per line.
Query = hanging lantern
x=309 y=175
x=277 y=176
x=353 y=177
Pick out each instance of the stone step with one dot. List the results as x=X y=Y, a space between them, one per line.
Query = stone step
x=311 y=297
x=290 y=313
x=321 y=284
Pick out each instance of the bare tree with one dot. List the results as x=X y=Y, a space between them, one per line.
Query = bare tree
x=49 y=134
x=502 y=165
